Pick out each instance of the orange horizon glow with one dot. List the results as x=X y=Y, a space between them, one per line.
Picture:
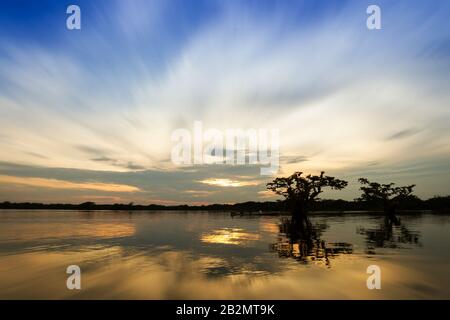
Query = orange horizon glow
x=63 y=184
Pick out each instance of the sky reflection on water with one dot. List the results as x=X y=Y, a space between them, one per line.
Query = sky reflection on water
x=177 y=255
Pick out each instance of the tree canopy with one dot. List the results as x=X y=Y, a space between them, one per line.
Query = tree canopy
x=301 y=190
x=387 y=195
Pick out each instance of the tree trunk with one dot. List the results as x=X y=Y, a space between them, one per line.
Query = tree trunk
x=300 y=215
x=390 y=211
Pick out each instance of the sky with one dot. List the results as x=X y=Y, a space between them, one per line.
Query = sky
x=88 y=114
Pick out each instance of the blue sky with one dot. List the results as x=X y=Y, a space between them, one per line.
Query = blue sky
x=88 y=114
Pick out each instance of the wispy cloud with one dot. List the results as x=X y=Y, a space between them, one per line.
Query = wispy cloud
x=403 y=134
x=61 y=184
x=127 y=165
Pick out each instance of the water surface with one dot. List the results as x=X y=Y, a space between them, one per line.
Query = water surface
x=201 y=255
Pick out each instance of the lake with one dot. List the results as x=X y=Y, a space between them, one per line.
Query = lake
x=213 y=255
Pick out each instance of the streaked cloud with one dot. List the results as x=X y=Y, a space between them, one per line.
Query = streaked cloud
x=403 y=134
x=128 y=165
x=266 y=194
x=61 y=184
x=198 y=193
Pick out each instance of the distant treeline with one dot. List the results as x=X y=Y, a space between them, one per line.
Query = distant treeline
x=412 y=203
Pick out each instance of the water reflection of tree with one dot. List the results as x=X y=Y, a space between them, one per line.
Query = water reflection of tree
x=390 y=233
x=301 y=240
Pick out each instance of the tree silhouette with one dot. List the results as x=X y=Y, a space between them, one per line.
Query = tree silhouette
x=87 y=205
x=385 y=195
x=300 y=191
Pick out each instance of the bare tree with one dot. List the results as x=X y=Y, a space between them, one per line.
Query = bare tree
x=300 y=191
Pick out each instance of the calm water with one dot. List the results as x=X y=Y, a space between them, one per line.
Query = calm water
x=178 y=255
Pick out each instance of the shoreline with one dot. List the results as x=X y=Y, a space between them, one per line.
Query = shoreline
x=339 y=206
x=237 y=213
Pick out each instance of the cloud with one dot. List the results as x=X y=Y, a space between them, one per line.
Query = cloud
x=103 y=159
x=293 y=159
x=267 y=194
x=339 y=93
x=130 y=165
x=61 y=184
x=156 y=186
x=127 y=165
x=34 y=154
x=228 y=182
x=403 y=134
x=199 y=193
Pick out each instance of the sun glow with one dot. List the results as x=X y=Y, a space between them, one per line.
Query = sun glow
x=228 y=183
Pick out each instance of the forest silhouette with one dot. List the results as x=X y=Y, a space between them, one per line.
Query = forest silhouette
x=301 y=197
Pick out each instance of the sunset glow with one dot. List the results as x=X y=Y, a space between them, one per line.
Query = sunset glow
x=61 y=184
